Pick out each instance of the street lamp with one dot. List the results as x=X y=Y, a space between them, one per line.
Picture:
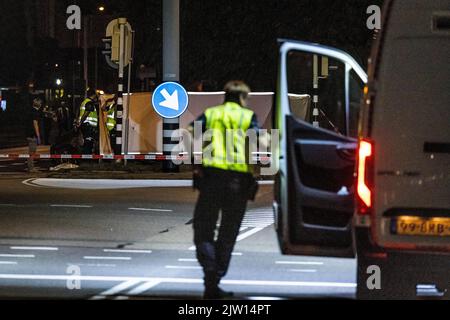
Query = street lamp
x=101 y=8
x=58 y=82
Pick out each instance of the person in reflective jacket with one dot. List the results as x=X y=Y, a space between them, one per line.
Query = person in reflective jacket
x=88 y=122
x=225 y=180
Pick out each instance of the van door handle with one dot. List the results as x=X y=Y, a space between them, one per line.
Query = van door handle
x=347 y=151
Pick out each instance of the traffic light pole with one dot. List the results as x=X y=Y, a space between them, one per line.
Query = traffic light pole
x=119 y=117
x=171 y=71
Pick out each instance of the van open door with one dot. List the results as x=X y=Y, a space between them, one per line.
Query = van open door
x=318 y=99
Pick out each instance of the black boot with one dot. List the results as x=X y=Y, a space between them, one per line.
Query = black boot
x=212 y=289
x=217 y=294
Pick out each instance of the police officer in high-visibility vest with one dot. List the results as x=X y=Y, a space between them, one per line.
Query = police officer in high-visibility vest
x=111 y=118
x=88 y=122
x=225 y=181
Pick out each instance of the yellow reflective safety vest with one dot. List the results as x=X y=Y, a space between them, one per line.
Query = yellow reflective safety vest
x=92 y=118
x=227 y=124
x=111 y=118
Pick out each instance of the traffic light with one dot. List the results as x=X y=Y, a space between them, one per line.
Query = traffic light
x=109 y=52
x=112 y=43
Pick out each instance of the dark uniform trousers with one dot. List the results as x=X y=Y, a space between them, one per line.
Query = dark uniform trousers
x=224 y=191
x=91 y=137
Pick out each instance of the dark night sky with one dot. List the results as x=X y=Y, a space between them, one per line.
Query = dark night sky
x=220 y=39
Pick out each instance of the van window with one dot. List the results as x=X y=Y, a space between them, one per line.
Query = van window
x=356 y=94
x=316 y=87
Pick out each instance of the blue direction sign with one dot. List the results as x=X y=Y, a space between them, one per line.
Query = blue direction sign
x=170 y=100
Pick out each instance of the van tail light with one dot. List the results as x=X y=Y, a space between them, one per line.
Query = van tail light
x=365 y=177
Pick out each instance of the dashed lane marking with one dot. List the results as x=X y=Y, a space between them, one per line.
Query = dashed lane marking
x=26 y=256
x=187 y=260
x=35 y=248
x=126 y=251
x=95 y=265
x=8 y=263
x=183 y=267
x=70 y=206
x=303 y=270
x=107 y=258
x=304 y=263
x=150 y=210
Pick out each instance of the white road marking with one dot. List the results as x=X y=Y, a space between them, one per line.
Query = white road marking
x=107 y=258
x=143 y=287
x=260 y=221
x=98 y=184
x=266 y=183
x=187 y=260
x=304 y=263
x=29 y=182
x=114 y=290
x=8 y=263
x=193 y=248
x=175 y=280
x=93 y=265
x=262 y=226
x=109 y=184
x=303 y=270
x=126 y=251
x=152 y=210
x=35 y=248
x=254 y=220
x=265 y=298
x=248 y=234
x=183 y=267
x=249 y=223
x=69 y=206
x=30 y=256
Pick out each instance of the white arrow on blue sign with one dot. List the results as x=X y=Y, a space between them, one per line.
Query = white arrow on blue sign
x=170 y=100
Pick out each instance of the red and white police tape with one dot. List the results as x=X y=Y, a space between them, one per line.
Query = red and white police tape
x=154 y=157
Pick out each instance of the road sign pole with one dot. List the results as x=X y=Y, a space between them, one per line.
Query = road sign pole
x=127 y=120
x=171 y=71
x=119 y=117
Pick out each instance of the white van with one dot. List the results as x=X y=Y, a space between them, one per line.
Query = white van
x=394 y=213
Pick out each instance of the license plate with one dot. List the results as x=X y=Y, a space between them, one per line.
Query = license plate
x=418 y=226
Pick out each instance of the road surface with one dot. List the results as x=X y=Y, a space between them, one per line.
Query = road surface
x=127 y=239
